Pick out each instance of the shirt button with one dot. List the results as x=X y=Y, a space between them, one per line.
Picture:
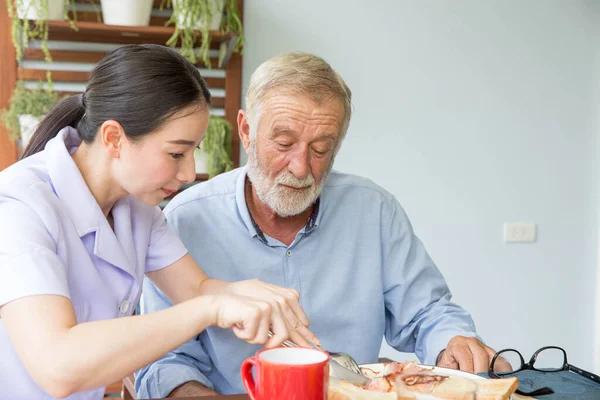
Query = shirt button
x=124 y=306
x=289 y=253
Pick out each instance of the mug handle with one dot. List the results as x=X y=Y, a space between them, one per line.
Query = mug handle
x=247 y=378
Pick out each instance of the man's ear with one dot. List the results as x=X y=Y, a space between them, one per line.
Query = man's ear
x=244 y=129
x=112 y=136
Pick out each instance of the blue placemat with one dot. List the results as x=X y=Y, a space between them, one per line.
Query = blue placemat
x=567 y=385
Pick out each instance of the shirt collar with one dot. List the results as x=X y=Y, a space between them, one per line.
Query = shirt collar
x=68 y=183
x=240 y=200
x=252 y=226
x=114 y=247
x=315 y=217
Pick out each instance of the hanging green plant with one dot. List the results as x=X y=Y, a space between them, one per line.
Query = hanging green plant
x=217 y=145
x=188 y=17
x=24 y=30
x=194 y=17
x=233 y=24
x=35 y=102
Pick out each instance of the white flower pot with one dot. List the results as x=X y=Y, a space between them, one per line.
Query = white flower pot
x=126 y=12
x=215 y=21
x=28 y=123
x=201 y=159
x=30 y=9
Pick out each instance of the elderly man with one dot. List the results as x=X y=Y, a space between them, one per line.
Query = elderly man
x=344 y=243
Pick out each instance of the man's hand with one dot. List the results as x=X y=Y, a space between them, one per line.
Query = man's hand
x=470 y=355
x=191 y=389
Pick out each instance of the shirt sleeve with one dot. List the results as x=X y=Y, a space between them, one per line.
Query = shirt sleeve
x=420 y=317
x=29 y=263
x=184 y=364
x=164 y=247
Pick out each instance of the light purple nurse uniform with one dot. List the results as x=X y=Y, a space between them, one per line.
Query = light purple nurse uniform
x=54 y=239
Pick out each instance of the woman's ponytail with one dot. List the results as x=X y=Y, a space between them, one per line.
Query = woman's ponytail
x=66 y=113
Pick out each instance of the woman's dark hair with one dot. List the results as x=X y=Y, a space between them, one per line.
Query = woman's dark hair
x=139 y=86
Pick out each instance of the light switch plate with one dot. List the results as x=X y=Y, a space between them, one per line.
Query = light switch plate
x=520 y=232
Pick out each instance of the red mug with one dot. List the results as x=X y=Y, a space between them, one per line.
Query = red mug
x=290 y=373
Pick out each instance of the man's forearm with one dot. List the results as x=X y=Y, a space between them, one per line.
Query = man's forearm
x=190 y=389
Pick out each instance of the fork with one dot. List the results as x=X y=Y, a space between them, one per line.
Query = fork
x=345 y=360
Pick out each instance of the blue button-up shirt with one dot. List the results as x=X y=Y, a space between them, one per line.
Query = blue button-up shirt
x=361 y=272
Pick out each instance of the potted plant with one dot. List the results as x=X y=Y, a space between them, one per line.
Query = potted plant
x=127 y=13
x=214 y=155
x=193 y=16
x=21 y=12
x=26 y=109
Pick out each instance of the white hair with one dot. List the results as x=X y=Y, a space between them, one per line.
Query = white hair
x=298 y=73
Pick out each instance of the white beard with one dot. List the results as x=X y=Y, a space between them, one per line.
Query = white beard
x=283 y=201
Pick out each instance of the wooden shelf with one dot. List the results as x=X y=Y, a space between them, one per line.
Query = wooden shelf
x=93 y=57
x=90 y=30
x=101 y=33
x=27 y=74
x=97 y=32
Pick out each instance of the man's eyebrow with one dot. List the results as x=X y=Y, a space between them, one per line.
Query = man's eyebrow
x=279 y=130
x=182 y=141
x=282 y=129
x=329 y=136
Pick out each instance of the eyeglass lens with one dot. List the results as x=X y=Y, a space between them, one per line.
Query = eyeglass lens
x=507 y=362
x=550 y=359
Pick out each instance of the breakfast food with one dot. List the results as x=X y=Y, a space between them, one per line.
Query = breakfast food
x=453 y=388
x=409 y=381
x=496 y=389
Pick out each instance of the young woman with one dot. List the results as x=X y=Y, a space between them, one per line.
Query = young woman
x=79 y=229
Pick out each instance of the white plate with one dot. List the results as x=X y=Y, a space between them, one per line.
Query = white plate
x=378 y=368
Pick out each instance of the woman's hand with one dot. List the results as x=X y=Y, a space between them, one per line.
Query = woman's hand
x=249 y=318
x=284 y=305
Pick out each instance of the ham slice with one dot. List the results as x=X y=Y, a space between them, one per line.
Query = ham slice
x=401 y=368
x=394 y=369
x=381 y=384
x=422 y=382
x=419 y=379
x=369 y=373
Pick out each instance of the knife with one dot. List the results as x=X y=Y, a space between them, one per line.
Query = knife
x=343 y=373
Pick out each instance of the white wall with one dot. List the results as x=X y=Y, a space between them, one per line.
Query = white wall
x=473 y=113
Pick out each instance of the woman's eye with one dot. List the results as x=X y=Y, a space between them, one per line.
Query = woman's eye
x=320 y=153
x=284 y=145
x=176 y=156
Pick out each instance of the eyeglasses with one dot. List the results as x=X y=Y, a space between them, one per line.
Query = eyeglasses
x=547 y=359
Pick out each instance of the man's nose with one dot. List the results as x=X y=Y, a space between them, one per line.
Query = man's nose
x=299 y=164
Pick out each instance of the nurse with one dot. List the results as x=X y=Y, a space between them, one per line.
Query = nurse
x=80 y=227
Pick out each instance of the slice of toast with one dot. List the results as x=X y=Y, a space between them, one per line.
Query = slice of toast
x=455 y=388
x=341 y=390
x=496 y=389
